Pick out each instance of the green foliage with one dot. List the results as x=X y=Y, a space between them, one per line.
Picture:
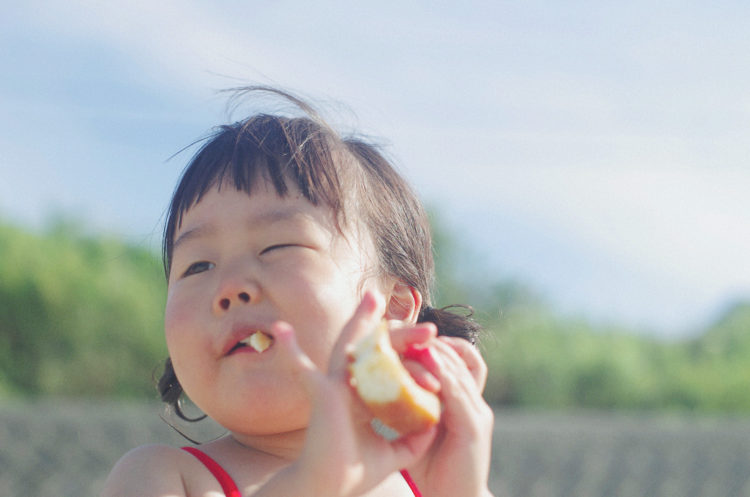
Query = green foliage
x=78 y=315
x=541 y=359
x=82 y=316
x=538 y=359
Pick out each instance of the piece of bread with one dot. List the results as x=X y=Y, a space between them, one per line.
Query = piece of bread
x=387 y=388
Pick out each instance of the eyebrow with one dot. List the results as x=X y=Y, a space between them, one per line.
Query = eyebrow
x=199 y=231
x=264 y=218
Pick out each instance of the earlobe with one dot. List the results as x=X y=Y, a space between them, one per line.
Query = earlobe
x=404 y=303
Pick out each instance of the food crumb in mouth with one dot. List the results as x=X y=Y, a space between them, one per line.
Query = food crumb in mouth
x=258 y=341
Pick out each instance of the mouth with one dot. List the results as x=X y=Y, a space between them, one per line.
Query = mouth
x=257 y=341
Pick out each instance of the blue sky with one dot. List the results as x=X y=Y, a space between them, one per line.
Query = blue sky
x=597 y=151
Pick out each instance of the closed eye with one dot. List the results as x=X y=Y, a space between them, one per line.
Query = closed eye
x=277 y=247
x=198 y=267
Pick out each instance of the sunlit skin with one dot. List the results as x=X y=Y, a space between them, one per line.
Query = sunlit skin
x=284 y=256
x=243 y=263
x=260 y=262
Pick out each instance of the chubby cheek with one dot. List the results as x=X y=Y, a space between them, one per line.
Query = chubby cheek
x=322 y=318
x=178 y=317
x=187 y=348
x=171 y=324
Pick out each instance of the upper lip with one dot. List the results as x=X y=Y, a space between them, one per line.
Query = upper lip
x=240 y=332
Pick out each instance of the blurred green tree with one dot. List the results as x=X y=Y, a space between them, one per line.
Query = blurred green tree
x=78 y=315
x=82 y=315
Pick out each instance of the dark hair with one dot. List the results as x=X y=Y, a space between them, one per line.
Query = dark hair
x=347 y=174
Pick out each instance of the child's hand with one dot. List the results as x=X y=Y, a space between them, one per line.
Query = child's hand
x=342 y=454
x=458 y=461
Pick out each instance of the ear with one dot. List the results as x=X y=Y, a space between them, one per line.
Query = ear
x=404 y=303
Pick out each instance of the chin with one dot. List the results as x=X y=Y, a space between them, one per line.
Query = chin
x=261 y=416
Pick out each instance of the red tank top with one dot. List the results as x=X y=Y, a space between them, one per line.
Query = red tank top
x=230 y=488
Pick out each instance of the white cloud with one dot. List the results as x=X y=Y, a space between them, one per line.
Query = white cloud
x=686 y=222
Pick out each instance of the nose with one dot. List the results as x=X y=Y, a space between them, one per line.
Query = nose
x=226 y=302
x=233 y=292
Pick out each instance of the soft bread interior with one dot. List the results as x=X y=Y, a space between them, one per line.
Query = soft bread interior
x=387 y=388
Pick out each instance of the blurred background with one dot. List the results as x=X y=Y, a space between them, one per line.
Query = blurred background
x=585 y=166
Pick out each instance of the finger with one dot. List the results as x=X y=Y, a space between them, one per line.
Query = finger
x=452 y=368
x=289 y=350
x=471 y=356
x=466 y=413
x=286 y=341
x=436 y=357
x=329 y=399
x=404 y=336
x=459 y=390
x=422 y=376
x=367 y=315
x=423 y=355
x=414 y=445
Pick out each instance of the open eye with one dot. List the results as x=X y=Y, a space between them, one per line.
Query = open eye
x=198 y=267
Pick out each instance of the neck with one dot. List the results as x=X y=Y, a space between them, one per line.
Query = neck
x=284 y=446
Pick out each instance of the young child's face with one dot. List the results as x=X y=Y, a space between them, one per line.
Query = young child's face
x=241 y=262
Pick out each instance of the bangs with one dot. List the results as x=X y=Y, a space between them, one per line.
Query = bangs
x=273 y=150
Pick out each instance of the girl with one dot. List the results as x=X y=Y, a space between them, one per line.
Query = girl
x=284 y=243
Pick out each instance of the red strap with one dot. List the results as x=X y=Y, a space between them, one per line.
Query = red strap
x=226 y=481
x=230 y=488
x=410 y=482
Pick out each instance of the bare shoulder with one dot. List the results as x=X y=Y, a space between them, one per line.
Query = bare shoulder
x=148 y=471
